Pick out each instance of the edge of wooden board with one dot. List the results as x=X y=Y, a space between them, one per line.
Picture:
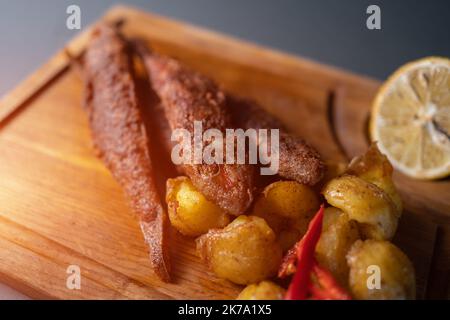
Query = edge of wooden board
x=35 y=82
x=286 y=64
x=290 y=65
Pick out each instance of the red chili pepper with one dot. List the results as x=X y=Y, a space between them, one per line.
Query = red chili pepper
x=326 y=287
x=287 y=266
x=298 y=288
x=301 y=287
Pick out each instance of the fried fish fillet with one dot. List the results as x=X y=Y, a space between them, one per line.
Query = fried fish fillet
x=120 y=136
x=297 y=160
x=188 y=96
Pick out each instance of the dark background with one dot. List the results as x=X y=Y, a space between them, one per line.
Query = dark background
x=329 y=31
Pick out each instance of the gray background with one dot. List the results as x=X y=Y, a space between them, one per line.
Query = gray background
x=329 y=31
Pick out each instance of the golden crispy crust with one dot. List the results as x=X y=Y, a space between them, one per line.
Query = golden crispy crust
x=186 y=97
x=120 y=136
x=298 y=160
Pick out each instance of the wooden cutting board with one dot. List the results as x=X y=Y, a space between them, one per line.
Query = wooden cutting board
x=59 y=206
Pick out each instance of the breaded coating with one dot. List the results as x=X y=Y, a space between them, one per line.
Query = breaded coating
x=298 y=160
x=120 y=136
x=188 y=96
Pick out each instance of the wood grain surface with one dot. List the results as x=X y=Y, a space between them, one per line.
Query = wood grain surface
x=59 y=206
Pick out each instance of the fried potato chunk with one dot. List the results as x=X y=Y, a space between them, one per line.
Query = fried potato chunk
x=374 y=167
x=287 y=207
x=189 y=211
x=365 y=203
x=289 y=199
x=371 y=258
x=265 y=290
x=246 y=251
x=338 y=235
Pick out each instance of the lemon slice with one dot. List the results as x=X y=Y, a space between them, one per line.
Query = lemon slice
x=411 y=118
